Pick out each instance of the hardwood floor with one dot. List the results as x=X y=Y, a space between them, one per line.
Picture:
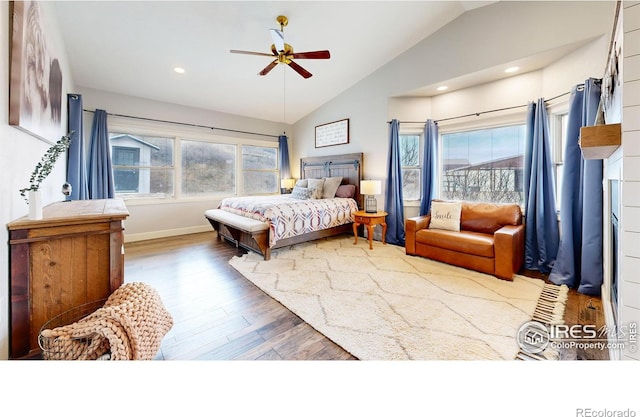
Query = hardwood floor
x=220 y=315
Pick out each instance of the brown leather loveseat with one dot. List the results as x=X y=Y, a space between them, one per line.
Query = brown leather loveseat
x=490 y=240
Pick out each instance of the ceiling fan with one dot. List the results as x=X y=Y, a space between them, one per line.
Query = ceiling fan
x=284 y=52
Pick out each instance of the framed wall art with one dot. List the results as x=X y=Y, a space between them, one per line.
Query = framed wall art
x=35 y=87
x=334 y=133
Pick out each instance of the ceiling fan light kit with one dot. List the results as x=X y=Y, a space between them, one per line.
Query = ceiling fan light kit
x=283 y=52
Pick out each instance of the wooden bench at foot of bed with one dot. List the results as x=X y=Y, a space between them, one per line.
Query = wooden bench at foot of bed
x=239 y=228
x=254 y=235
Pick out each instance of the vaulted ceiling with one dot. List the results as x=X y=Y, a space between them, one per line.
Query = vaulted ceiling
x=132 y=47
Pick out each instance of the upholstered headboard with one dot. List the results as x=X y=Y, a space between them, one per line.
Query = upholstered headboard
x=348 y=166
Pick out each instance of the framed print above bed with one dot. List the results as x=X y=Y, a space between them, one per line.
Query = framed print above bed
x=334 y=133
x=35 y=89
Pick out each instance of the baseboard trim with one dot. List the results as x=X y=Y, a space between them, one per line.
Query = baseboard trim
x=136 y=237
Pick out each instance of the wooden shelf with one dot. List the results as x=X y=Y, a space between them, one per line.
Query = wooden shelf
x=599 y=142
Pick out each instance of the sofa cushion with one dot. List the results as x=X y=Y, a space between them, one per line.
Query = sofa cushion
x=472 y=243
x=488 y=217
x=445 y=215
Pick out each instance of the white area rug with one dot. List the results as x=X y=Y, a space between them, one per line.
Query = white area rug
x=382 y=304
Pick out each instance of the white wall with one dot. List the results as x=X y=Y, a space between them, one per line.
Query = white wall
x=151 y=219
x=19 y=154
x=482 y=38
x=629 y=285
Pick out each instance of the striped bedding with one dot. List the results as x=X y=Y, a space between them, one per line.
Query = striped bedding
x=289 y=217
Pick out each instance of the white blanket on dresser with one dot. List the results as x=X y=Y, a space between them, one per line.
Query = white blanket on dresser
x=289 y=217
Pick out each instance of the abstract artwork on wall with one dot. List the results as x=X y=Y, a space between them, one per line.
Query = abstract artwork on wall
x=35 y=90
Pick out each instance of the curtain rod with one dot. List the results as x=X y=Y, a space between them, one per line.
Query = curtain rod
x=188 y=124
x=488 y=111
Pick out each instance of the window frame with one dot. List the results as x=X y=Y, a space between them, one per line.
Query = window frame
x=420 y=134
x=275 y=170
x=213 y=195
x=118 y=149
x=125 y=125
x=555 y=111
x=511 y=117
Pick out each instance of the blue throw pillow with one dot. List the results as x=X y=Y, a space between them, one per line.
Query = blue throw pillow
x=302 y=193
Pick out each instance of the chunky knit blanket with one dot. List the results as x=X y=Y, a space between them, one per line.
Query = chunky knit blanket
x=130 y=326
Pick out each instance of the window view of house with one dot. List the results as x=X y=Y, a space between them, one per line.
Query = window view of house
x=142 y=165
x=484 y=165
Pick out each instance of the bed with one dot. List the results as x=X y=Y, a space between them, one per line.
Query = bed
x=253 y=222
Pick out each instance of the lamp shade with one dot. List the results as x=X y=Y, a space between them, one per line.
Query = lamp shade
x=287 y=183
x=370 y=187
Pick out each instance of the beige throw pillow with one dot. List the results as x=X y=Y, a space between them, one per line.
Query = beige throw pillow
x=445 y=216
x=330 y=186
x=317 y=184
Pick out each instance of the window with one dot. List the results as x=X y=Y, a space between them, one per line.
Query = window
x=559 y=140
x=208 y=168
x=260 y=169
x=149 y=165
x=410 y=161
x=484 y=165
x=143 y=166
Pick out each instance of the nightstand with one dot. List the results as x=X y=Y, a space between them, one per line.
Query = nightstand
x=370 y=220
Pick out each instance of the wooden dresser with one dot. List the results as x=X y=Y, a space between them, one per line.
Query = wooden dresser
x=71 y=257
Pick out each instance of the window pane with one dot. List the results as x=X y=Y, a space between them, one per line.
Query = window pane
x=564 y=119
x=484 y=165
x=161 y=182
x=257 y=157
x=143 y=182
x=260 y=169
x=208 y=168
x=260 y=182
x=142 y=165
x=409 y=150
x=411 y=184
x=559 y=177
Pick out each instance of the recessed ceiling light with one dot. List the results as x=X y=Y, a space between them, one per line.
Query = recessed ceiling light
x=512 y=69
x=179 y=70
x=442 y=88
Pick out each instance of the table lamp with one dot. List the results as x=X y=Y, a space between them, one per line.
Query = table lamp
x=369 y=188
x=287 y=184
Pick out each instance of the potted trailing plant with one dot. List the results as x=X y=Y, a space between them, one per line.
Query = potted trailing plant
x=42 y=170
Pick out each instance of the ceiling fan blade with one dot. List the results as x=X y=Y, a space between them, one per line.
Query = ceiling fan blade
x=269 y=67
x=235 y=51
x=312 y=55
x=278 y=39
x=297 y=68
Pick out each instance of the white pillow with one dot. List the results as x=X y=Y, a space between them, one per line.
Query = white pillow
x=317 y=184
x=445 y=216
x=330 y=186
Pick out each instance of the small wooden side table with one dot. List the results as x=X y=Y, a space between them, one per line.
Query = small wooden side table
x=370 y=220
